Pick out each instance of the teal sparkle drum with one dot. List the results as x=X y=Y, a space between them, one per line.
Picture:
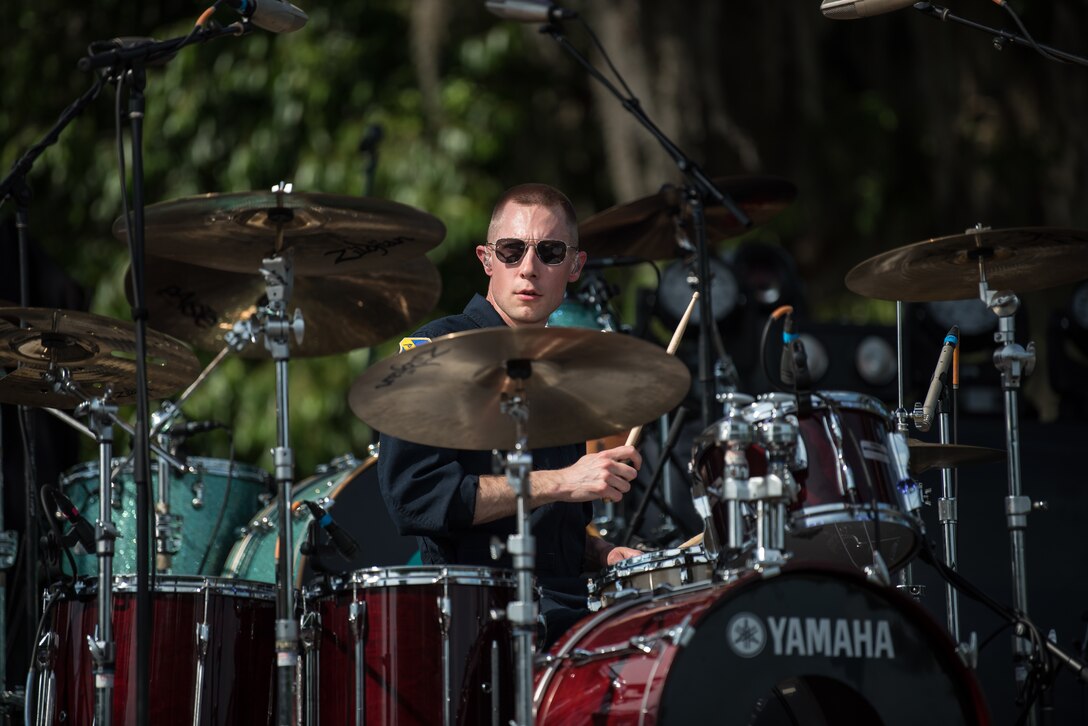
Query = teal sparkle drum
x=210 y=502
x=573 y=312
x=347 y=488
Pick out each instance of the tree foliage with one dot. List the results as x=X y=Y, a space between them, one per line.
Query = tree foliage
x=894 y=130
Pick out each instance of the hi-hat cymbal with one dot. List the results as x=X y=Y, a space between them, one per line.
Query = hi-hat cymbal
x=946 y=268
x=341 y=313
x=584 y=385
x=648 y=227
x=99 y=352
x=329 y=234
x=925 y=455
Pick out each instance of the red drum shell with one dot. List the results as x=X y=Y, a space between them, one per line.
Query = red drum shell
x=404 y=649
x=826 y=524
x=665 y=682
x=239 y=668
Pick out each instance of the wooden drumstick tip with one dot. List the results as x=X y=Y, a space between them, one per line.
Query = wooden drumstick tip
x=671 y=350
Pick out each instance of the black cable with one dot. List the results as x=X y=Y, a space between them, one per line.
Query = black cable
x=222 y=507
x=774 y=380
x=1031 y=41
x=604 y=54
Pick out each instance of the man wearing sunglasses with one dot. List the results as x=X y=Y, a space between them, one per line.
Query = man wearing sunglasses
x=450 y=499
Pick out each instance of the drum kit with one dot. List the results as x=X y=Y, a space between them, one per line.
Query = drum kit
x=784 y=607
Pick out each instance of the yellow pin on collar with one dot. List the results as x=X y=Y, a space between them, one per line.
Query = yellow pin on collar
x=409 y=343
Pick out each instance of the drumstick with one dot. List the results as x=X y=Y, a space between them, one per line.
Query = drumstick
x=671 y=350
x=696 y=540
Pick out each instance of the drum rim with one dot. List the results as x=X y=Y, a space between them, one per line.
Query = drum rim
x=184 y=584
x=695 y=555
x=242 y=470
x=787 y=403
x=417 y=575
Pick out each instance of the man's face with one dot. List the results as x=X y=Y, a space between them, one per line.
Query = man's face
x=528 y=291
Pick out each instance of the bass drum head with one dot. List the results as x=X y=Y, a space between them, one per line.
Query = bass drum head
x=806 y=647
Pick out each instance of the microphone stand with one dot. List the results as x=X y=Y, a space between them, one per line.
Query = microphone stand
x=698 y=189
x=15 y=186
x=1000 y=36
x=131 y=64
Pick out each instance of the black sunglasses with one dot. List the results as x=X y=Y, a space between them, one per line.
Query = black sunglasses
x=549 y=251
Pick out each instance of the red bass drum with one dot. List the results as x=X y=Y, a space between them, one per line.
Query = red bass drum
x=811 y=645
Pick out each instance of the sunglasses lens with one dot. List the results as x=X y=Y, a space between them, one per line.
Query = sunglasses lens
x=510 y=251
x=551 y=251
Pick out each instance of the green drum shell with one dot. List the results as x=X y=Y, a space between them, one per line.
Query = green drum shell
x=247 y=484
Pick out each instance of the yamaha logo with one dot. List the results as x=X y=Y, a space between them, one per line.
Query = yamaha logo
x=796 y=636
x=747 y=636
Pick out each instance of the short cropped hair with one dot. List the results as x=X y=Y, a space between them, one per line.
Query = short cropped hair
x=536 y=195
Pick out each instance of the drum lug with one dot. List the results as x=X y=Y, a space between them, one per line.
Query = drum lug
x=310 y=636
x=46 y=696
x=167 y=533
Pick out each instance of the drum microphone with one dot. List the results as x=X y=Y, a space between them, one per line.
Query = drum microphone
x=793 y=368
x=275 y=16
x=528 y=11
x=80 y=526
x=854 y=9
x=936 y=384
x=193 y=427
x=341 y=540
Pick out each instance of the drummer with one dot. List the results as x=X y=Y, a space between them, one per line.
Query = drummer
x=449 y=498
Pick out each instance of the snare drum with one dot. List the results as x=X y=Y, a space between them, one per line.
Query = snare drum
x=853 y=487
x=210 y=502
x=672 y=568
x=348 y=489
x=812 y=645
x=410 y=645
x=209 y=631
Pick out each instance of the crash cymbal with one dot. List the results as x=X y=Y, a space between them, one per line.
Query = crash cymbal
x=647 y=227
x=584 y=385
x=925 y=455
x=946 y=268
x=329 y=234
x=97 y=351
x=341 y=313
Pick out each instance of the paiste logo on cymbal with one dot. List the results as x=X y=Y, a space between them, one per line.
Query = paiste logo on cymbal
x=410 y=343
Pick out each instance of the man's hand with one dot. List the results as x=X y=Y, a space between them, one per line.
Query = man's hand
x=604 y=475
x=620 y=553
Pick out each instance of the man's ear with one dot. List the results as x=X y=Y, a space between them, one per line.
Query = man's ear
x=483 y=253
x=576 y=268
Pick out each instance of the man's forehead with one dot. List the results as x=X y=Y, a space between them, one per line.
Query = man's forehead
x=532 y=220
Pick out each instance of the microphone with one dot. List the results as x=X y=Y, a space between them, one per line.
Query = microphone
x=275 y=16
x=193 y=427
x=854 y=9
x=83 y=530
x=529 y=11
x=936 y=384
x=785 y=366
x=341 y=540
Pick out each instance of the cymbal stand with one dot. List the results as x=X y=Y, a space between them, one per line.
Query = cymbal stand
x=1013 y=361
x=272 y=321
x=101 y=416
x=948 y=515
x=521 y=546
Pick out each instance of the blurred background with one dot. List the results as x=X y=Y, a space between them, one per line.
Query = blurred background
x=894 y=129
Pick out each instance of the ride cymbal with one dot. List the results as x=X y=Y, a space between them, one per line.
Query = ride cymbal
x=584 y=384
x=98 y=352
x=341 y=312
x=648 y=227
x=925 y=455
x=946 y=268
x=327 y=234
